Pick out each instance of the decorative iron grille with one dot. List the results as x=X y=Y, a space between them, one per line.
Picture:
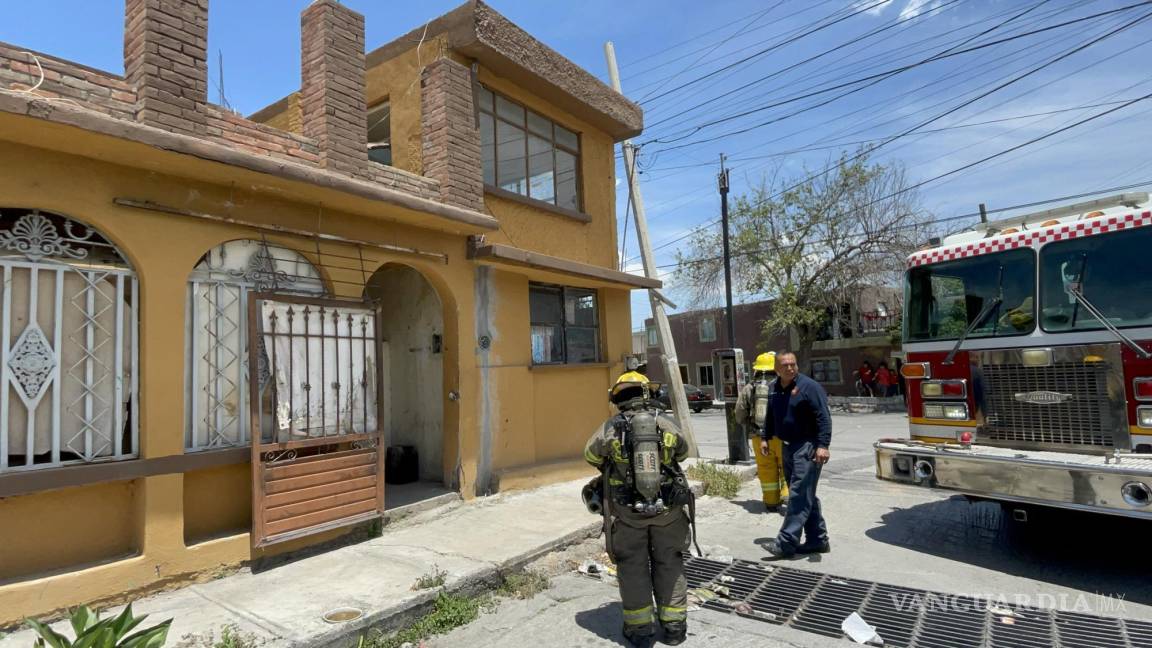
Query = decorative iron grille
x=217 y=334
x=68 y=344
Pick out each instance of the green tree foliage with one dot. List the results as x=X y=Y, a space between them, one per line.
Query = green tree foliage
x=811 y=248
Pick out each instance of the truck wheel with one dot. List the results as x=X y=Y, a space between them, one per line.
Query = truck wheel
x=697 y=409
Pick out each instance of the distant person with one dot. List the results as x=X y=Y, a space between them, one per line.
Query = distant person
x=885 y=380
x=798 y=415
x=751 y=411
x=867 y=385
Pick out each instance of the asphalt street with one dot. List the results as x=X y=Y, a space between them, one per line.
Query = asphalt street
x=882 y=532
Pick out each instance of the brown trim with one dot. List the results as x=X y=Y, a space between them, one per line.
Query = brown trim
x=518 y=256
x=34 y=481
x=537 y=204
x=569 y=365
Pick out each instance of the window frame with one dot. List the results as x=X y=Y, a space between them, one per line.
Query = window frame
x=700 y=329
x=563 y=292
x=492 y=111
x=385 y=103
x=826 y=359
x=700 y=366
x=653 y=336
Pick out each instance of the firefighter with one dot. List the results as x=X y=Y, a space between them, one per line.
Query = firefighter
x=643 y=499
x=751 y=409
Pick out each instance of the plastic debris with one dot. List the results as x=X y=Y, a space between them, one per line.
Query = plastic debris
x=719 y=554
x=701 y=595
x=727 y=579
x=1001 y=610
x=859 y=631
x=743 y=608
x=1007 y=620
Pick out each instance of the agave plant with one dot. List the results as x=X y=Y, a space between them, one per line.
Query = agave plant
x=94 y=632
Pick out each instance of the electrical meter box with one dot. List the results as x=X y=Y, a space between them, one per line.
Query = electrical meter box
x=728 y=373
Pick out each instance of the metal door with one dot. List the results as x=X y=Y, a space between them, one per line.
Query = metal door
x=316 y=462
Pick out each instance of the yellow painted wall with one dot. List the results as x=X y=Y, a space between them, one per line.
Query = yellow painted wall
x=175 y=522
x=66 y=529
x=217 y=502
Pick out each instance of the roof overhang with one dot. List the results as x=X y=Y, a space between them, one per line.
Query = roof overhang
x=550 y=268
x=475 y=30
x=37 y=122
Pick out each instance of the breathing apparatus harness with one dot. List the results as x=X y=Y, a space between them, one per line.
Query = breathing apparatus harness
x=651 y=487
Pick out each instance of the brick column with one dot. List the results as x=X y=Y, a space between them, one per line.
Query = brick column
x=165 y=59
x=450 y=138
x=332 y=85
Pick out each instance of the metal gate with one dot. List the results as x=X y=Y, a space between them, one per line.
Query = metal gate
x=316 y=462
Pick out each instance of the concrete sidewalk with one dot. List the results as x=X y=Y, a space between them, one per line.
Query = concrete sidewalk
x=472 y=543
x=284 y=606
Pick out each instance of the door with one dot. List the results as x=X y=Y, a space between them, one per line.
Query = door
x=317 y=463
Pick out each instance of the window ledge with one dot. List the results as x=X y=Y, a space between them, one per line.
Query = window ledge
x=538 y=204
x=575 y=365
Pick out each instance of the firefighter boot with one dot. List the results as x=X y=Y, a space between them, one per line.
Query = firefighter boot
x=675 y=632
x=640 y=636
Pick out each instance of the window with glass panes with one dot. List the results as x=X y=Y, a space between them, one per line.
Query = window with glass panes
x=565 y=325
x=527 y=154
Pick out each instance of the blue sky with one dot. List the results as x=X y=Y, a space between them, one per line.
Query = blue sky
x=663 y=45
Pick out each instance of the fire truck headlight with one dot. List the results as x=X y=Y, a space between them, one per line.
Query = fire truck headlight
x=947 y=411
x=1144 y=416
x=931 y=389
x=1036 y=357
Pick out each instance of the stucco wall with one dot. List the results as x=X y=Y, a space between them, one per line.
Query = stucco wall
x=217 y=502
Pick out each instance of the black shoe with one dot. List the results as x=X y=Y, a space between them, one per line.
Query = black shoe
x=643 y=637
x=675 y=632
x=815 y=547
x=778 y=550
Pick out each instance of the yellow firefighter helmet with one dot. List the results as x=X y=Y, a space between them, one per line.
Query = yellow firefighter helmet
x=765 y=362
x=632 y=384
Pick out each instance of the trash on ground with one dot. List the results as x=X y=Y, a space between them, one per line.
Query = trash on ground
x=727 y=579
x=1001 y=610
x=743 y=608
x=859 y=631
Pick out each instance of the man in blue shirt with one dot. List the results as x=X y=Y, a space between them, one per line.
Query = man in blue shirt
x=799 y=416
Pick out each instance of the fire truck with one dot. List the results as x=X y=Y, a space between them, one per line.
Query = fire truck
x=1028 y=347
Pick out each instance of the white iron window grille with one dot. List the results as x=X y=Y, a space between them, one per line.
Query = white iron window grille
x=216 y=398
x=68 y=344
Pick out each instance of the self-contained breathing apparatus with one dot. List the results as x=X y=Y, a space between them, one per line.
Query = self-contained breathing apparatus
x=650 y=487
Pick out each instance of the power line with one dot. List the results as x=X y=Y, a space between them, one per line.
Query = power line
x=936 y=221
x=933 y=119
x=880 y=76
x=766 y=50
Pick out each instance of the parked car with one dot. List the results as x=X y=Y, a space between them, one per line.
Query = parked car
x=698 y=399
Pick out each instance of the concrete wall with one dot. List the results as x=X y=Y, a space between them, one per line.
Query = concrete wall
x=413 y=370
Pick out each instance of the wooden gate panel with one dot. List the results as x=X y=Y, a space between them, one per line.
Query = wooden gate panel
x=316 y=461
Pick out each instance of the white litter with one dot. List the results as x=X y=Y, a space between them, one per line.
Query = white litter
x=1001 y=611
x=859 y=631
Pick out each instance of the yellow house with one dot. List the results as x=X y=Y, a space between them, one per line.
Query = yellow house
x=222 y=337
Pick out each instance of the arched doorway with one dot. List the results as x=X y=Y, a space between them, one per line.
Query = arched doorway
x=412 y=387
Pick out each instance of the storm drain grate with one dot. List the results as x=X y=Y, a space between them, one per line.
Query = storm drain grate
x=904 y=617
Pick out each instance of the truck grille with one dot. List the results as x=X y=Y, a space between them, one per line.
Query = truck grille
x=1086 y=419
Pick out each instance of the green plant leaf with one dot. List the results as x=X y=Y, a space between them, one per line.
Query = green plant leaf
x=153 y=637
x=125 y=622
x=99 y=636
x=81 y=619
x=48 y=636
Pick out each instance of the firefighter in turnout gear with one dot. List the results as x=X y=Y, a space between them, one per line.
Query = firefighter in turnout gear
x=751 y=409
x=642 y=494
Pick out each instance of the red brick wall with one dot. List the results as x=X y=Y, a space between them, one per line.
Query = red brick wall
x=451 y=140
x=165 y=59
x=332 y=90
x=88 y=87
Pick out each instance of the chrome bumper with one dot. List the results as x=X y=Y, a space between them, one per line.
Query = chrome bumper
x=1118 y=484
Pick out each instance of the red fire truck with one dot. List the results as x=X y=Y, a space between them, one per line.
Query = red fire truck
x=1028 y=346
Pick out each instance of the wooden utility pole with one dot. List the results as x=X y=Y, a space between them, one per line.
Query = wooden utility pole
x=663 y=330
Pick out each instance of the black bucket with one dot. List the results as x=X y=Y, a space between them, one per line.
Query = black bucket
x=401 y=465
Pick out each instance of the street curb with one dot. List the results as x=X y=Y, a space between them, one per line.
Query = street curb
x=401 y=614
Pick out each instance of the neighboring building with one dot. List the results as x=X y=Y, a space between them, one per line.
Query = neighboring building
x=864 y=333
x=640 y=342
x=417 y=249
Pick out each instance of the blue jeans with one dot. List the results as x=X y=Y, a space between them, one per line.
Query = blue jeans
x=803 y=516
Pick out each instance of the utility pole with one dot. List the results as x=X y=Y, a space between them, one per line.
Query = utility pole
x=663 y=330
x=737 y=442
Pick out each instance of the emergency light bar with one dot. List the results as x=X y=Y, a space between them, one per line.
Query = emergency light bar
x=1126 y=199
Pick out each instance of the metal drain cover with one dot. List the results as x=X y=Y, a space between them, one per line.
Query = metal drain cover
x=903 y=616
x=343 y=615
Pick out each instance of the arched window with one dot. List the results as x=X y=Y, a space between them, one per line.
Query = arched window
x=216 y=399
x=68 y=344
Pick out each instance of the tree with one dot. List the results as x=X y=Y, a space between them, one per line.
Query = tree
x=810 y=245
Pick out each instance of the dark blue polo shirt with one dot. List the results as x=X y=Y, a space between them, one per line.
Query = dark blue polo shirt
x=799 y=413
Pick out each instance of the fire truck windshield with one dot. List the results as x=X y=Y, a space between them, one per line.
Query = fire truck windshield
x=945 y=299
x=1111 y=272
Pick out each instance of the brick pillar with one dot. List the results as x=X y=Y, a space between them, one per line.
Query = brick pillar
x=165 y=58
x=451 y=140
x=332 y=85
